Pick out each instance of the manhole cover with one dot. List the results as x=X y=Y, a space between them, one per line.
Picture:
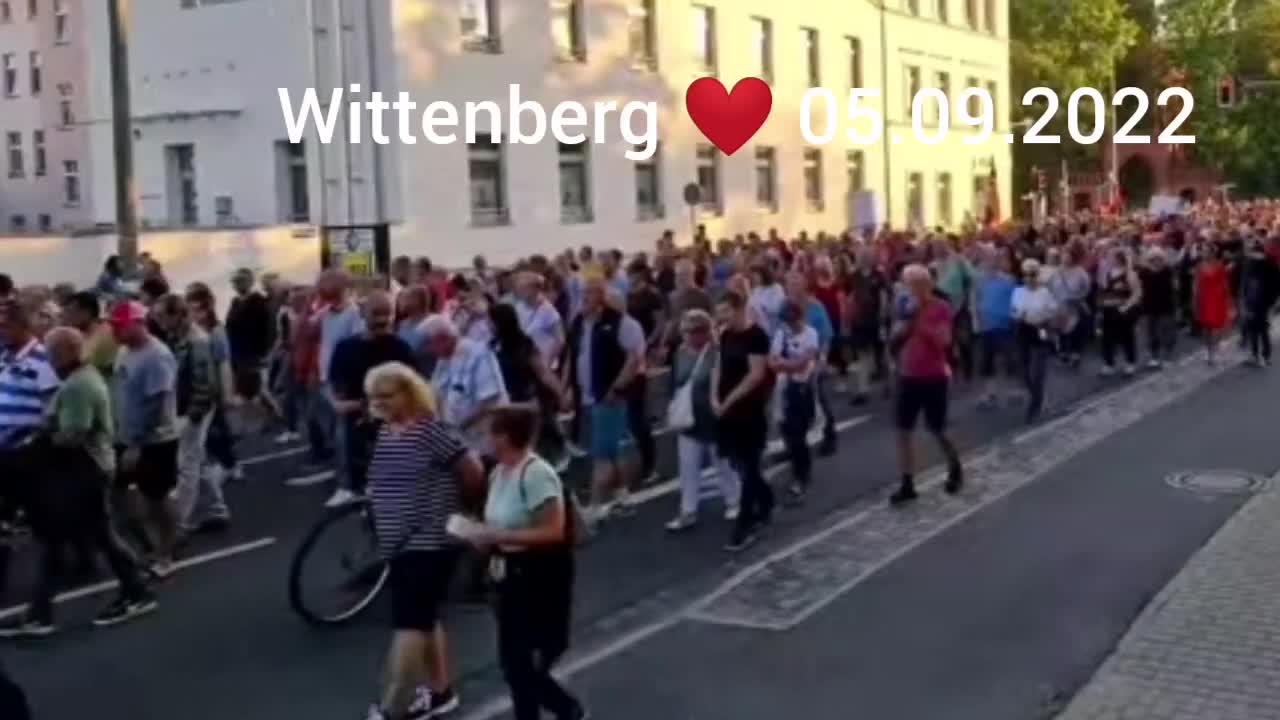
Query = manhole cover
x=1217 y=482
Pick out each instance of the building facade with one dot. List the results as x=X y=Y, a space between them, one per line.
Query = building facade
x=211 y=142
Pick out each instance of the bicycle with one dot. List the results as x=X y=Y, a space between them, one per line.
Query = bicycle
x=363 y=571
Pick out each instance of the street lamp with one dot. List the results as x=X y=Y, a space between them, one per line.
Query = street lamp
x=118 y=15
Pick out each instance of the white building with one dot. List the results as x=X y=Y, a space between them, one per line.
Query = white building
x=211 y=141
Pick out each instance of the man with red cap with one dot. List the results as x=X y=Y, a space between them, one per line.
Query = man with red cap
x=147 y=429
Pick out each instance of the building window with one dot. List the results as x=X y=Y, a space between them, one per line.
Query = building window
x=704 y=38
x=764 y=48
x=61 y=22
x=971 y=13
x=6 y=12
x=180 y=172
x=13 y=144
x=224 y=211
x=575 y=183
x=642 y=31
x=943 y=81
x=71 y=183
x=942 y=11
x=913 y=6
x=293 y=189
x=46 y=222
x=67 y=117
x=767 y=179
x=856 y=167
x=855 y=62
x=38 y=158
x=709 y=178
x=994 y=92
x=915 y=200
x=33 y=9
x=18 y=223
x=990 y=6
x=479 y=25
x=649 y=186
x=37 y=79
x=488 y=182
x=944 y=199
x=566 y=29
x=974 y=103
x=912 y=87
x=813 y=195
x=9 y=67
x=812 y=55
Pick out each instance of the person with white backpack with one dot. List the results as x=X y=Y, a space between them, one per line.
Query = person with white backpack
x=690 y=415
x=793 y=357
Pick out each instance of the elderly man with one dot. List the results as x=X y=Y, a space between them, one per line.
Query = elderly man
x=66 y=498
x=467 y=380
x=353 y=358
x=921 y=336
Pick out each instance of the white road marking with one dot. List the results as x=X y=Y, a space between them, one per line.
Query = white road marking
x=276 y=455
x=184 y=564
x=309 y=480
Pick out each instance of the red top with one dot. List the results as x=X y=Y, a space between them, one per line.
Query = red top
x=829 y=296
x=1213 y=296
x=924 y=354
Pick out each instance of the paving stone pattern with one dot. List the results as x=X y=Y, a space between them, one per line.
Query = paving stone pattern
x=1208 y=647
x=803 y=579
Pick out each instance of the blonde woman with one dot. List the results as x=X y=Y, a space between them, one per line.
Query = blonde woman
x=420 y=469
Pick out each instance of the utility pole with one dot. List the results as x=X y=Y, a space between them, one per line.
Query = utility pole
x=118 y=17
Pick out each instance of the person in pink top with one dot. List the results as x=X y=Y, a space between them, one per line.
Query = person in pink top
x=921 y=337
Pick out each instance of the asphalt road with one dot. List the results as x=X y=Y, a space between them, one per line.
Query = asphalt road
x=997 y=615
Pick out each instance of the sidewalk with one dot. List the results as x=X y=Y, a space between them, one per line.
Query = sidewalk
x=1208 y=646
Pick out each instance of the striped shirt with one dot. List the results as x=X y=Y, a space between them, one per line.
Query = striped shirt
x=27 y=383
x=412 y=485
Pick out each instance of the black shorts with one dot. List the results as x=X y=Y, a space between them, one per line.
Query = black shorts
x=419 y=584
x=916 y=396
x=156 y=474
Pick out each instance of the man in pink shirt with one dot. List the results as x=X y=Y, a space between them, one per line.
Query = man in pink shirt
x=921 y=337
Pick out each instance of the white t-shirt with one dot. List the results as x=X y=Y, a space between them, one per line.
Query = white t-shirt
x=1035 y=307
x=544 y=327
x=790 y=345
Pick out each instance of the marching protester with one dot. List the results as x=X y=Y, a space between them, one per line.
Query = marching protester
x=1119 y=296
x=1159 y=305
x=528 y=524
x=993 y=291
x=605 y=353
x=1038 y=316
x=691 y=415
x=921 y=336
x=646 y=306
x=740 y=396
x=867 y=300
x=147 y=430
x=794 y=359
x=528 y=379
x=798 y=292
x=467 y=380
x=251 y=334
x=221 y=445
x=419 y=470
x=336 y=317
x=1259 y=290
x=83 y=312
x=1071 y=286
x=1213 y=300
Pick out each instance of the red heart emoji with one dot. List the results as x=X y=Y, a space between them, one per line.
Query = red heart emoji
x=729 y=119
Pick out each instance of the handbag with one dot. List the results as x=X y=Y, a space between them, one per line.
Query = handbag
x=680 y=415
x=577 y=531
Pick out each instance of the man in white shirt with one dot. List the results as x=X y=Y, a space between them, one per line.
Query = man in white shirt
x=539 y=318
x=467 y=380
x=1039 y=315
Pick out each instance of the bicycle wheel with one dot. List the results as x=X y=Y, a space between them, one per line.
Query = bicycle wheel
x=337 y=571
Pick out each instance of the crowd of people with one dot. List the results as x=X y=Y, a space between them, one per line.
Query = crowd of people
x=437 y=394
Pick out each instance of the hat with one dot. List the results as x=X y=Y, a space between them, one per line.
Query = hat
x=127 y=313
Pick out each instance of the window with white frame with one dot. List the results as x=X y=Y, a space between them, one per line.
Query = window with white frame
x=915 y=200
x=479 y=25
x=18 y=223
x=709 y=178
x=66 y=116
x=487 y=178
x=9 y=70
x=566 y=29
x=941 y=10
x=990 y=15
x=649 y=186
x=39 y=160
x=704 y=38
x=6 y=12
x=642 y=32
x=812 y=56
x=37 y=72
x=71 y=182
x=767 y=179
x=292 y=184
x=942 y=81
x=814 y=199
x=856 y=169
x=971 y=13
x=855 y=62
x=13 y=148
x=61 y=22
x=46 y=222
x=912 y=87
x=575 y=183
x=763 y=28
x=180 y=184
x=944 y=199
x=33 y=9
x=974 y=103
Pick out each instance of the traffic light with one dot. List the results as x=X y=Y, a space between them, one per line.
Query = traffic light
x=1227 y=92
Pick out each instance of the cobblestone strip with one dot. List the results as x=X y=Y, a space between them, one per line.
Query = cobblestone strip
x=785 y=589
x=1208 y=646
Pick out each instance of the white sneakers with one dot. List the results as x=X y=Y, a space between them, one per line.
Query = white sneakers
x=340 y=497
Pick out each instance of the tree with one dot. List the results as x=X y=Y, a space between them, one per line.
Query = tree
x=1209 y=40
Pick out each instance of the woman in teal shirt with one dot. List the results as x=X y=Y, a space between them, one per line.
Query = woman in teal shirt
x=527 y=523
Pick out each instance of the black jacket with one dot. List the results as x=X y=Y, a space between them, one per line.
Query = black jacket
x=250 y=329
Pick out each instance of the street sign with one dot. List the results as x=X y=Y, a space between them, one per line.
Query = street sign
x=692 y=194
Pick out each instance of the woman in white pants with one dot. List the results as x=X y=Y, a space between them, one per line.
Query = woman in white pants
x=696 y=442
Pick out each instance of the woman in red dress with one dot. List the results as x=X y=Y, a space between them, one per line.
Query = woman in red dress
x=1213 y=299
